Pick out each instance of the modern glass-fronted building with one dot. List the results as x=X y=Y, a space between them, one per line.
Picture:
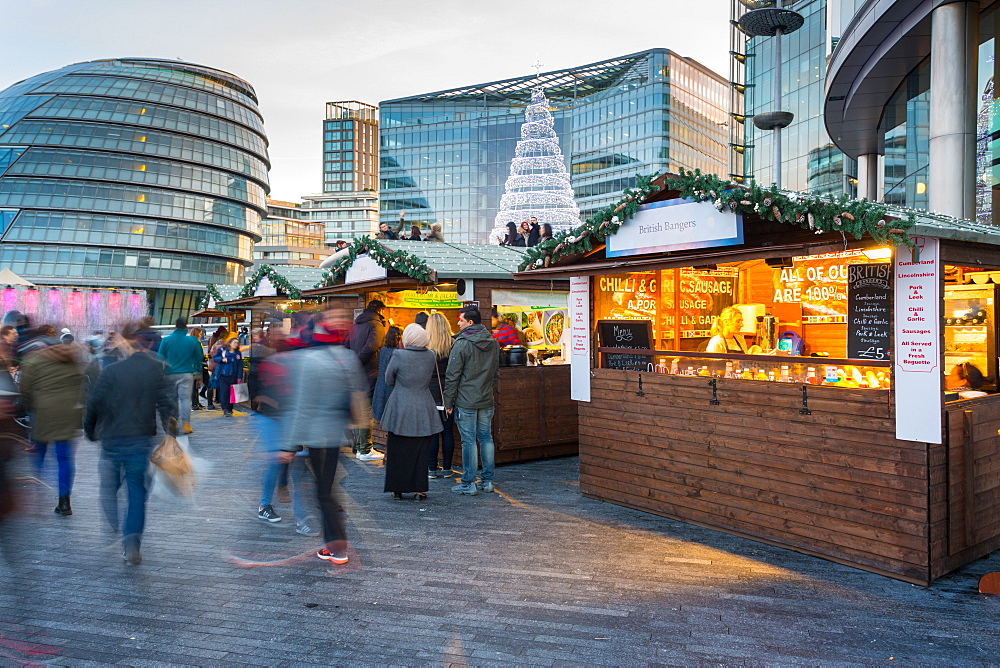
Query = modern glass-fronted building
x=445 y=156
x=287 y=238
x=910 y=94
x=137 y=173
x=349 y=202
x=810 y=161
x=344 y=215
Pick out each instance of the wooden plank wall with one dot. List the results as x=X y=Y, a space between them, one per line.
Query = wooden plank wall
x=535 y=418
x=835 y=483
x=966 y=477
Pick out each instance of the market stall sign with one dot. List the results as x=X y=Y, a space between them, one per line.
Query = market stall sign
x=675 y=224
x=703 y=294
x=364 y=268
x=917 y=352
x=579 y=338
x=414 y=299
x=869 y=311
x=625 y=334
x=819 y=284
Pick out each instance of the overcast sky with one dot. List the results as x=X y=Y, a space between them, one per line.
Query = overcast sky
x=299 y=54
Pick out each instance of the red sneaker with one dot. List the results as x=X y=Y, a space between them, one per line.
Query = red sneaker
x=327 y=555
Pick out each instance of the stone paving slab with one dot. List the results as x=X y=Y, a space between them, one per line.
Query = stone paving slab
x=533 y=575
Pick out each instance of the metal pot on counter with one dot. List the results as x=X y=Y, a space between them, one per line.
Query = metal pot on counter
x=516 y=356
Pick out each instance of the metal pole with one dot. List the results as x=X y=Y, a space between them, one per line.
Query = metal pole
x=777 y=107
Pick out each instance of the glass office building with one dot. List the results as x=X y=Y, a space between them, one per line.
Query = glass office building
x=136 y=173
x=445 y=156
x=350 y=147
x=810 y=162
x=288 y=238
x=882 y=104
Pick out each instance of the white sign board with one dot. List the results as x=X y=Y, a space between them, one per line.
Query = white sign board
x=917 y=342
x=265 y=288
x=579 y=337
x=674 y=225
x=364 y=268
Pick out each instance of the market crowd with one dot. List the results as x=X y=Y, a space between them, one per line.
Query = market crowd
x=322 y=385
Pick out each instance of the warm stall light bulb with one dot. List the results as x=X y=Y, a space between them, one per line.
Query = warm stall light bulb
x=877 y=253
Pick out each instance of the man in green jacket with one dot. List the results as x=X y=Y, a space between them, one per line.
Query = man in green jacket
x=184 y=357
x=473 y=370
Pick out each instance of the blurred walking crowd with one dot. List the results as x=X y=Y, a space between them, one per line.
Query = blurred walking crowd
x=324 y=383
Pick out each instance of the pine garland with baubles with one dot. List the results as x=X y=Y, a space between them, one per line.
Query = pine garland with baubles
x=842 y=214
x=277 y=280
x=401 y=261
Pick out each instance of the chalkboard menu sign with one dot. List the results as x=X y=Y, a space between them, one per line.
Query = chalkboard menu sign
x=625 y=334
x=869 y=311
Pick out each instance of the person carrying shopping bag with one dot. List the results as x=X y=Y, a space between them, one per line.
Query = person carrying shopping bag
x=228 y=371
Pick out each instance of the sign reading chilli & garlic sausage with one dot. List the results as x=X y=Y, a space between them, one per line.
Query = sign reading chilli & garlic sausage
x=869 y=311
x=625 y=334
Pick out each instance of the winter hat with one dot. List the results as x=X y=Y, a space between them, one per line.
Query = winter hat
x=415 y=336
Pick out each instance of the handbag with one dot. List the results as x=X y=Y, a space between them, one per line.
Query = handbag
x=238 y=393
x=441 y=409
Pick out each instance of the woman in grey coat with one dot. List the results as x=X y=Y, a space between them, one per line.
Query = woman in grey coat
x=410 y=415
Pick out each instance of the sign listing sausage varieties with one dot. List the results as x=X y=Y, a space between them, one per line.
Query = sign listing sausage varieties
x=579 y=337
x=869 y=311
x=917 y=349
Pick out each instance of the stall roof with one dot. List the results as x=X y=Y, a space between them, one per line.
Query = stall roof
x=945 y=227
x=456 y=260
x=228 y=292
x=302 y=278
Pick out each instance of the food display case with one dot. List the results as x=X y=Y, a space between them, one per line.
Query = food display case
x=969 y=329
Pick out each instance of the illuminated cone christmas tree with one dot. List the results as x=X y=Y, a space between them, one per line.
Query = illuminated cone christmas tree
x=538 y=184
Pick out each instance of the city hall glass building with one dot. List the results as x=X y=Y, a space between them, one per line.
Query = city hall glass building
x=445 y=156
x=135 y=173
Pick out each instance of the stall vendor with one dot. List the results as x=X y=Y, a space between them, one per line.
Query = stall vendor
x=726 y=337
x=504 y=334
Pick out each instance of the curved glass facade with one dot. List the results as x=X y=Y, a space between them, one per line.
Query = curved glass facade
x=135 y=173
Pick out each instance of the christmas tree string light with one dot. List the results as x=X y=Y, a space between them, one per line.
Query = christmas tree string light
x=538 y=184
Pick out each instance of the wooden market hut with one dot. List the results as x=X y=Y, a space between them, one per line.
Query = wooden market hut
x=871 y=462
x=535 y=417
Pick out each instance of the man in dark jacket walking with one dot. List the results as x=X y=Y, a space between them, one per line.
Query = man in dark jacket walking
x=473 y=371
x=365 y=340
x=121 y=412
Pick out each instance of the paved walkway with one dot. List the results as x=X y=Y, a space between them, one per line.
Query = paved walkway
x=534 y=574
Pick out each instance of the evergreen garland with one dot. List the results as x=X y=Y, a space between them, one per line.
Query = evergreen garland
x=211 y=292
x=277 y=280
x=401 y=261
x=840 y=214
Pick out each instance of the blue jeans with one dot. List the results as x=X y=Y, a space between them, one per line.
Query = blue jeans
x=64 y=459
x=475 y=425
x=184 y=382
x=126 y=459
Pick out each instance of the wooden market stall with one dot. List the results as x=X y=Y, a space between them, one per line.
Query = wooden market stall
x=534 y=417
x=848 y=438
x=275 y=292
